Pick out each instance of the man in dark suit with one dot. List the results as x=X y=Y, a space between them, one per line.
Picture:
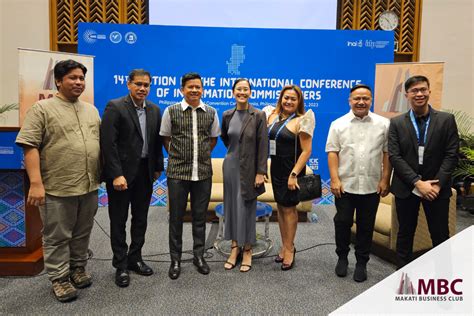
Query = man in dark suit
x=423 y=149
x=133 y=160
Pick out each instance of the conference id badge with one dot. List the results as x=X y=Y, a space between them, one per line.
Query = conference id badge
x=421 y=151
x=273 y=147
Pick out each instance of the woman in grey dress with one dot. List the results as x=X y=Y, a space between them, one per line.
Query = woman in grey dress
x=244 y=133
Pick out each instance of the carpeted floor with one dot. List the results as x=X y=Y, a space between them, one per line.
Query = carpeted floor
x=310 y=288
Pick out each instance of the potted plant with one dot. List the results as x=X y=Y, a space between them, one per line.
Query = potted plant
x=463 y=175
x=4 y=108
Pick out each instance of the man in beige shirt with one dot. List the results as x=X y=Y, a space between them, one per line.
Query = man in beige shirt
x=60 y=139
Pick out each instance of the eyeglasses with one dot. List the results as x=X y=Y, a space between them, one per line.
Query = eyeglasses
x=415 y=91
x=141 y=84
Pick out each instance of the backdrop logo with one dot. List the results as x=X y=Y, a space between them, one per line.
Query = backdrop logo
x=435 y=290
x=237 y=57
x=130 y=38
x=314 y=163
x=354 y=43
x=367 y=43
x=115 y=37
x=91 y=36
x=375 y=44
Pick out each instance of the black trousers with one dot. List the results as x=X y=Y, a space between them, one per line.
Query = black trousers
x=366 y=208
x=178 y=191
x=138 y=196
x=436 y=213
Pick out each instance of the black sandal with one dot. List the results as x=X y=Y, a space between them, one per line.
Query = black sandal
x=232 y=265
x=249 y=266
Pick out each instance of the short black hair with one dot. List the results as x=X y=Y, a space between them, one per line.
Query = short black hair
x=63 y=67
x=414 y=80
x=360 y=86
x=138 y=72
x=190 y=76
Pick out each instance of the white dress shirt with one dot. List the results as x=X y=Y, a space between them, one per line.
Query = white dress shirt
x=360 y=144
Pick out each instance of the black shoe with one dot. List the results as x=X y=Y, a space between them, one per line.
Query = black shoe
x=141 y=268
x=341 y=267
x=201 y=265
x=122 y=279
x=175 y=270
x=360 y=273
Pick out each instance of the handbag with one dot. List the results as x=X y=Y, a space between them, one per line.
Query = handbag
x=310 y=187
x=310 y=184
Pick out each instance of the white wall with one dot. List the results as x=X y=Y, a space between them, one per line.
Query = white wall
x=23 y=23
x=447 y=35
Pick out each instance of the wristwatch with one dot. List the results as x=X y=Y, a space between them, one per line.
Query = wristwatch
x=293 y=174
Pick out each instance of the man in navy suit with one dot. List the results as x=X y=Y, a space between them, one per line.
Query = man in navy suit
x=133 y=160
x=423 y=149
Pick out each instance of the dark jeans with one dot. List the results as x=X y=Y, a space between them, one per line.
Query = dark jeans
x=137 y=195
x=366 y=209
x=178 y=191
x=436 y=213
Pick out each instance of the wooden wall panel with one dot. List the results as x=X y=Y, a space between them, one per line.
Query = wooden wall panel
x=353 y=15
x=66 y=14
x=364 y=15
x=348 y=19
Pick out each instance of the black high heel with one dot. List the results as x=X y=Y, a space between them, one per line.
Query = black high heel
x=232 y=265
x=248 y=266
x=278 y=259
x=286 y=267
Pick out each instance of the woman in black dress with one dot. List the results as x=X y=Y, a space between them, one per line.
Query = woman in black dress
x=289 y=123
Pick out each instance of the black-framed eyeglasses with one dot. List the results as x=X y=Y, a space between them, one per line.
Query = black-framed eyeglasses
x=415 y=91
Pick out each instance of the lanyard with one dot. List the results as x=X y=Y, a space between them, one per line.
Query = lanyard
x=413 y=121
x=281 y=127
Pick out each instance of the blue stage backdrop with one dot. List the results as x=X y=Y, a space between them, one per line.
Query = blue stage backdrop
x=324 y=63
